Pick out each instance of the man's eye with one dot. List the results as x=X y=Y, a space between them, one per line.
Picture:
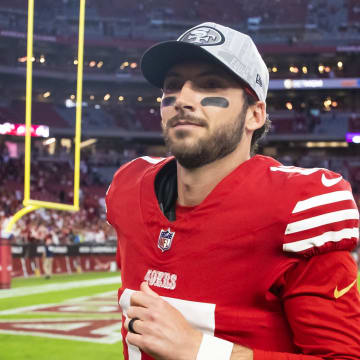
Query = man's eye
x=172 y=85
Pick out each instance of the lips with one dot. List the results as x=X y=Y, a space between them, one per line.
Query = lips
x=181 y=123
x=185 y=120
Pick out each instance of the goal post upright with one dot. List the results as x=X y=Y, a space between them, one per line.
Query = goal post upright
x=29 y=204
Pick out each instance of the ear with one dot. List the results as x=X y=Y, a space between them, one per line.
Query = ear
x=256 y=116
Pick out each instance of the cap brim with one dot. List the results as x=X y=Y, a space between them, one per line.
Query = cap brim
x=157 y=61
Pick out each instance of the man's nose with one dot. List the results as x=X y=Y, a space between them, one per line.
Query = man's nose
x=186 y=97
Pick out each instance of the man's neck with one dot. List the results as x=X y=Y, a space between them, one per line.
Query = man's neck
x=194 y=185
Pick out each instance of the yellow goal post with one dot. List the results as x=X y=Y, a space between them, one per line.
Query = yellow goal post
x=29 y=204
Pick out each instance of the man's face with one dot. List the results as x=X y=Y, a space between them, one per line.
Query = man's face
x=202 y=113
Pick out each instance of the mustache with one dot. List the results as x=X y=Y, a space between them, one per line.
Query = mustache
x=181 y=117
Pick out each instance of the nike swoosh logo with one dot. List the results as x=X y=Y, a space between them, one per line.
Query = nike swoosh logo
x=342 y=292
x=330 y=182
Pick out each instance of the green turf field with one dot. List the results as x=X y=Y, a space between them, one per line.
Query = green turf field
x=64 y=318
x=59 y=318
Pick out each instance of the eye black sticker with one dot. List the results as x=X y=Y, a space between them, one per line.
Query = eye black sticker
x=168 y=101
x=215 y=101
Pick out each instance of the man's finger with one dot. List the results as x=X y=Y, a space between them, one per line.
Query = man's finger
x=138 y=312
x=134 y=339
x=146 y=289
x=136 y=325
x=140 y=298
x=144 y=296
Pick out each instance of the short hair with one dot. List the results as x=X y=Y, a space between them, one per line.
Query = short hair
x=259 y=134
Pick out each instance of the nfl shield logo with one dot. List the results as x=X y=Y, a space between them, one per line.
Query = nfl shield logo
x=165 y=239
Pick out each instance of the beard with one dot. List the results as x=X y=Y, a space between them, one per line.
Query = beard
x=215 y=146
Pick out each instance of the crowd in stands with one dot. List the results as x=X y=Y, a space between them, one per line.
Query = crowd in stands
x=52 y=180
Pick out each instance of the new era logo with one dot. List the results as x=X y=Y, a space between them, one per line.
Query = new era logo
x=258 y=80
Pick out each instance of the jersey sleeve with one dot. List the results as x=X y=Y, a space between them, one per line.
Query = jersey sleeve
x=125 y=179
x=324 y=216
x=322 y=304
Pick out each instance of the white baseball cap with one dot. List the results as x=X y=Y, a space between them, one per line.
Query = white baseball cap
x=209 y=42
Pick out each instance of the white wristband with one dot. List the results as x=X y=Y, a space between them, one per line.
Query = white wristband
x=213 y=348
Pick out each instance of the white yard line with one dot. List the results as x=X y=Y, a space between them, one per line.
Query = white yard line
x=30 y=290
x=81 y=299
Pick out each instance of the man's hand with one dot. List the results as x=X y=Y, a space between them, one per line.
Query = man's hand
x=162 y=331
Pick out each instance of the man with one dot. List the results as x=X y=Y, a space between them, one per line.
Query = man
x=226 y=255
x=48 y=256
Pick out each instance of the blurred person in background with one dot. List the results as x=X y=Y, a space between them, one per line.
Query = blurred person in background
x=48 y=257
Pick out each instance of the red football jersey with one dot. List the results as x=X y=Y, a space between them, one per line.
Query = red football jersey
x=255 y=263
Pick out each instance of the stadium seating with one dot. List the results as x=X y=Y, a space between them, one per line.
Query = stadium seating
x=42 y=114
x=354 y=123
x=149 y=118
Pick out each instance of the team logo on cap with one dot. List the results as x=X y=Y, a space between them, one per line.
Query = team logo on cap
x=203 y=36
x=165 y=239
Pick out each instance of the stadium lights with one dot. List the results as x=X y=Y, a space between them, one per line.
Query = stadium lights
x=353 y=137
x=92 y=97
x=324 y=144
x=65 y=143
x=321 y=68
x=304 y=70
x=75 y=62
x=92 y=63
x=294 y=69
x=100 y=64
x=133 y=65
x=86 y=143
x=121 y=98
x=107 y=97
x=340 y=65
x=69 y=103
x=42 y=59
x=49 y=141
x=72 y=97
x=158 y=99
x=46 y=94
x=274 y=69
x=124 y=65
x=140 y=98
x=24 y=58
x=289 y=105
x=327 y=102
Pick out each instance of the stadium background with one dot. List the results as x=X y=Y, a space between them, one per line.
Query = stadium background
x=312 y=50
